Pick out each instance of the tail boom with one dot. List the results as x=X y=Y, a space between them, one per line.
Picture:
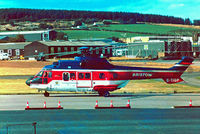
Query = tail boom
x=179 y=67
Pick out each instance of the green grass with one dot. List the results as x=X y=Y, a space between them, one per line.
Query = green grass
x=128 y=30
x=151 y=29
x=198 y=78
x=87 y=34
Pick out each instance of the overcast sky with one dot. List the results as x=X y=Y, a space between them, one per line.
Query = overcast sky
x=178 y=8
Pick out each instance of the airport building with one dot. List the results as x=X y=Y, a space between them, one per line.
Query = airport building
x=145 y=50
x=155 y=49
x=13 y=49
x=51 y=47
x=43 y=35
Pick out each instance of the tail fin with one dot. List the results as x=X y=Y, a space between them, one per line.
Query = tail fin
x=183 y=64
x=180 y=67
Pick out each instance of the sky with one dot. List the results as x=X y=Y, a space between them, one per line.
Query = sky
x=178 y=8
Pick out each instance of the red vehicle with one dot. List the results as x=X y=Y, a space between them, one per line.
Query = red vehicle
x=95 y=74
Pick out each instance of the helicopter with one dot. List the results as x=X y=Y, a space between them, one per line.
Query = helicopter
x=88 y=73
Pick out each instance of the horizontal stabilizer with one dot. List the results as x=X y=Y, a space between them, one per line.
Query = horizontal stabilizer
x=172 y=80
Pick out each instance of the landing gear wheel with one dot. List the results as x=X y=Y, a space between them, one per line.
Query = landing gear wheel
x=46 y=94
x=105 y=94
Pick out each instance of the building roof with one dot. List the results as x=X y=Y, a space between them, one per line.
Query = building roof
x=19 y=45
x=74 y=43
x=23 y=32
x=94 y=39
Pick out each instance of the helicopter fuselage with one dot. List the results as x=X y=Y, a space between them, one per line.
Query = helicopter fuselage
x=97 y=75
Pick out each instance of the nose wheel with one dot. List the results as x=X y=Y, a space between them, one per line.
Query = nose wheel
x=46 y=94
x=105 y=94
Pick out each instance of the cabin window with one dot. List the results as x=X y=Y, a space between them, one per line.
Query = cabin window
x=65 y=76
x=87 y=75
x=102 y=76
x=72 y=76
x=115 y=75
x=80 y=76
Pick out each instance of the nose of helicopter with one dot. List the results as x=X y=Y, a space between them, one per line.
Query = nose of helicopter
x=28 y=81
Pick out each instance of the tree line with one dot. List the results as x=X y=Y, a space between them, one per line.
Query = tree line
x=10 y=14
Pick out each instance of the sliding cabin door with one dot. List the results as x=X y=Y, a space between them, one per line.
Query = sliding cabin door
x=69 y=81
x=84 y=79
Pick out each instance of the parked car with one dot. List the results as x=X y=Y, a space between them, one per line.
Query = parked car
x=4 y=56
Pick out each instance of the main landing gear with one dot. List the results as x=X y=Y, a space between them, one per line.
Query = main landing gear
x=46 y=94
x=104 y=93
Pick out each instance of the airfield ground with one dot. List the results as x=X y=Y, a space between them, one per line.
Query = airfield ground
x=13 y=75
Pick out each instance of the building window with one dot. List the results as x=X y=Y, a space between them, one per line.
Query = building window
x=17 y=52
x=45 y=36
x=91 y=50
x=72 y=48
x=52 y=49
x=59 y=49
x=65 y=49
x=103 y=51
x=10 y=52
x=108 y=50
x=97 y=50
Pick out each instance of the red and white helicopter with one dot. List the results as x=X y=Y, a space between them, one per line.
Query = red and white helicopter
x=94 y=74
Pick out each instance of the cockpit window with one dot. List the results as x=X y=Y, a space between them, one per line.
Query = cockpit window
x=50 y=74
x=40 y=74
x=45 y=74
